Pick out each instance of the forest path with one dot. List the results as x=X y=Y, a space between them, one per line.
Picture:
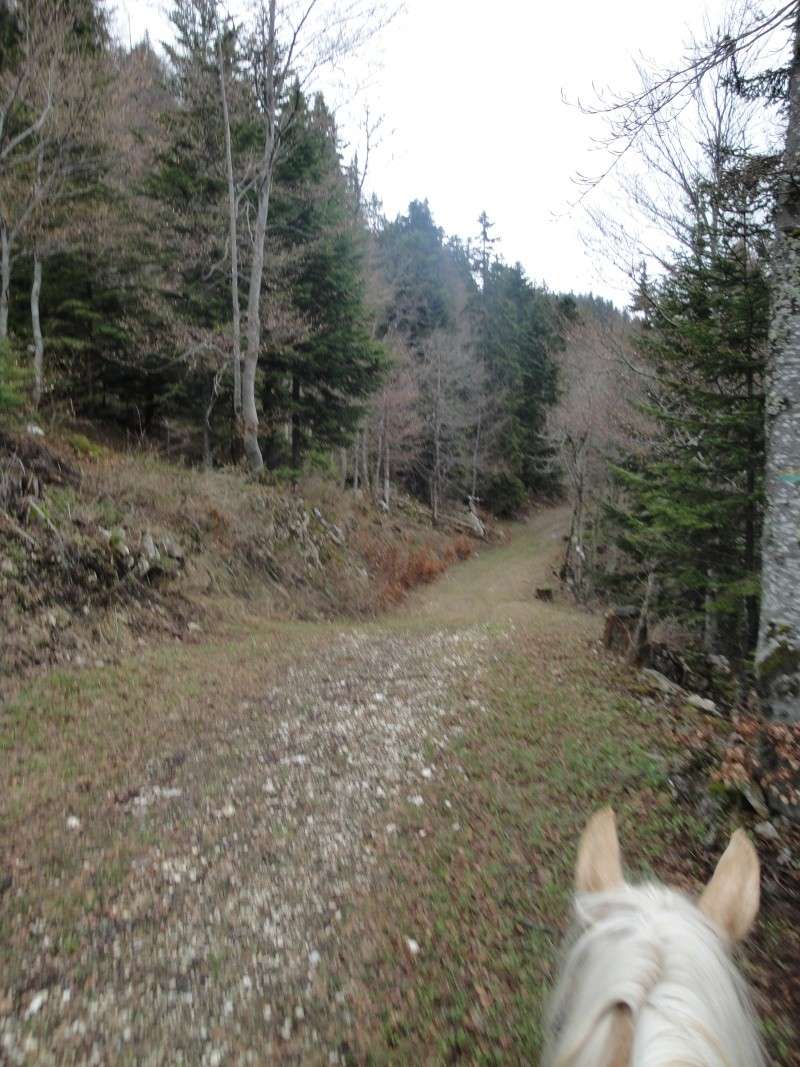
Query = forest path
x=315 y=843
x=188 y=916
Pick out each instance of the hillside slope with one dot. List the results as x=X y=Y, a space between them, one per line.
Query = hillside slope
x=104 y=552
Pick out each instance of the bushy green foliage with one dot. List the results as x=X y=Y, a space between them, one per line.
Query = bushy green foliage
x=503 y=494
x=319 y=382
x=12 y=381
x=694 y=505
x=518 y=329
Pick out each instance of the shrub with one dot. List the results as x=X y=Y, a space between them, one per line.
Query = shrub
x=463 y=547
x=504 y=494
x=422 y=567
x=12 y=380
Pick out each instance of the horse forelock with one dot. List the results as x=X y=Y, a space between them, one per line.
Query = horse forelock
x=647 y=955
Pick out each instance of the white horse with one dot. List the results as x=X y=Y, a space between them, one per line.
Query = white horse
x=648 y=980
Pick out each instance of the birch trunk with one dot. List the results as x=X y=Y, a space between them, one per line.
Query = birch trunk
x=5 y=278
x=476 y=454
x=778 y=654
x=252 y=450
x=365 y=457
x=381 y=439
x=295 y=431
x=386 y=475
x=234 y=243
x=36 y=327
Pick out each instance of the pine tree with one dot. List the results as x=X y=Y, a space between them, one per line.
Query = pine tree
x=318 y=380
x=695 y=506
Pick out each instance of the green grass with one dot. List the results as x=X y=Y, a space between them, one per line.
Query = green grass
x=489 y=902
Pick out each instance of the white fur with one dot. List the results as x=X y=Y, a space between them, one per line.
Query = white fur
x=649 y=948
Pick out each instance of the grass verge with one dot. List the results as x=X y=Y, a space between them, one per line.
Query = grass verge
x=480 y=877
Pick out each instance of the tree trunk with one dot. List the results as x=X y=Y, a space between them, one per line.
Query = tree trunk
x=234 y=243
x=386 y=474
x=208 y=457
x=252 y=450
x=343 y=463
x=437 y=453
x=296 y=450
x=365 y=457
x=778 y=654
x=710 y=620
x=36 y=327
x=476 y=454
x=381 y=440
x=356 y=464
x=5 y=278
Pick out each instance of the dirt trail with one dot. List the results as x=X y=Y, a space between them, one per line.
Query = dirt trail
x=500 y=584
x=218 y=942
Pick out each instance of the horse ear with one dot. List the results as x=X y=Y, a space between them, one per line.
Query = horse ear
x=599 y=866
x=732 y=896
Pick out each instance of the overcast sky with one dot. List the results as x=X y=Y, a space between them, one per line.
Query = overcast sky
x=472 y=94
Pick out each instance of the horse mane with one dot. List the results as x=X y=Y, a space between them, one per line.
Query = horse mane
x=648 y=953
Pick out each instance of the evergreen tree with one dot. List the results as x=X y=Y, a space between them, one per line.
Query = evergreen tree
x=695 y=506
x=320 y=378
x=517 y=329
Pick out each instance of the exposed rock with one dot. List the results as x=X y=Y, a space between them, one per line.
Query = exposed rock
x=149 y=550
x=36 y=1003
x=754 y=795
x=702 y=704
x=720 y=663
x=34 y=430
x=173 y=549
x=766 y=830
x=658 y=683
x=118 y=544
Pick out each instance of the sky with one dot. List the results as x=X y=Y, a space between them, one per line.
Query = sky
x=472 y=95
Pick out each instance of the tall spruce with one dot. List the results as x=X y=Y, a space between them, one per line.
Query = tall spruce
x=695 y=503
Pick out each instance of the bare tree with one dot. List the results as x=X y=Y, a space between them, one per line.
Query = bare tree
x=394 y=422
x=55 y=85
x=289 y=44
x=594 y=421
x=448 y=378
x=32 y=84
x=233 y=238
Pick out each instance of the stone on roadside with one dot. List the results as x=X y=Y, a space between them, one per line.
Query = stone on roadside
x=766 y=830
x=694 y=700
x=659 y=683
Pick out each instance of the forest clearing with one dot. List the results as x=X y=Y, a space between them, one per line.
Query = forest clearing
x=399 y=524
